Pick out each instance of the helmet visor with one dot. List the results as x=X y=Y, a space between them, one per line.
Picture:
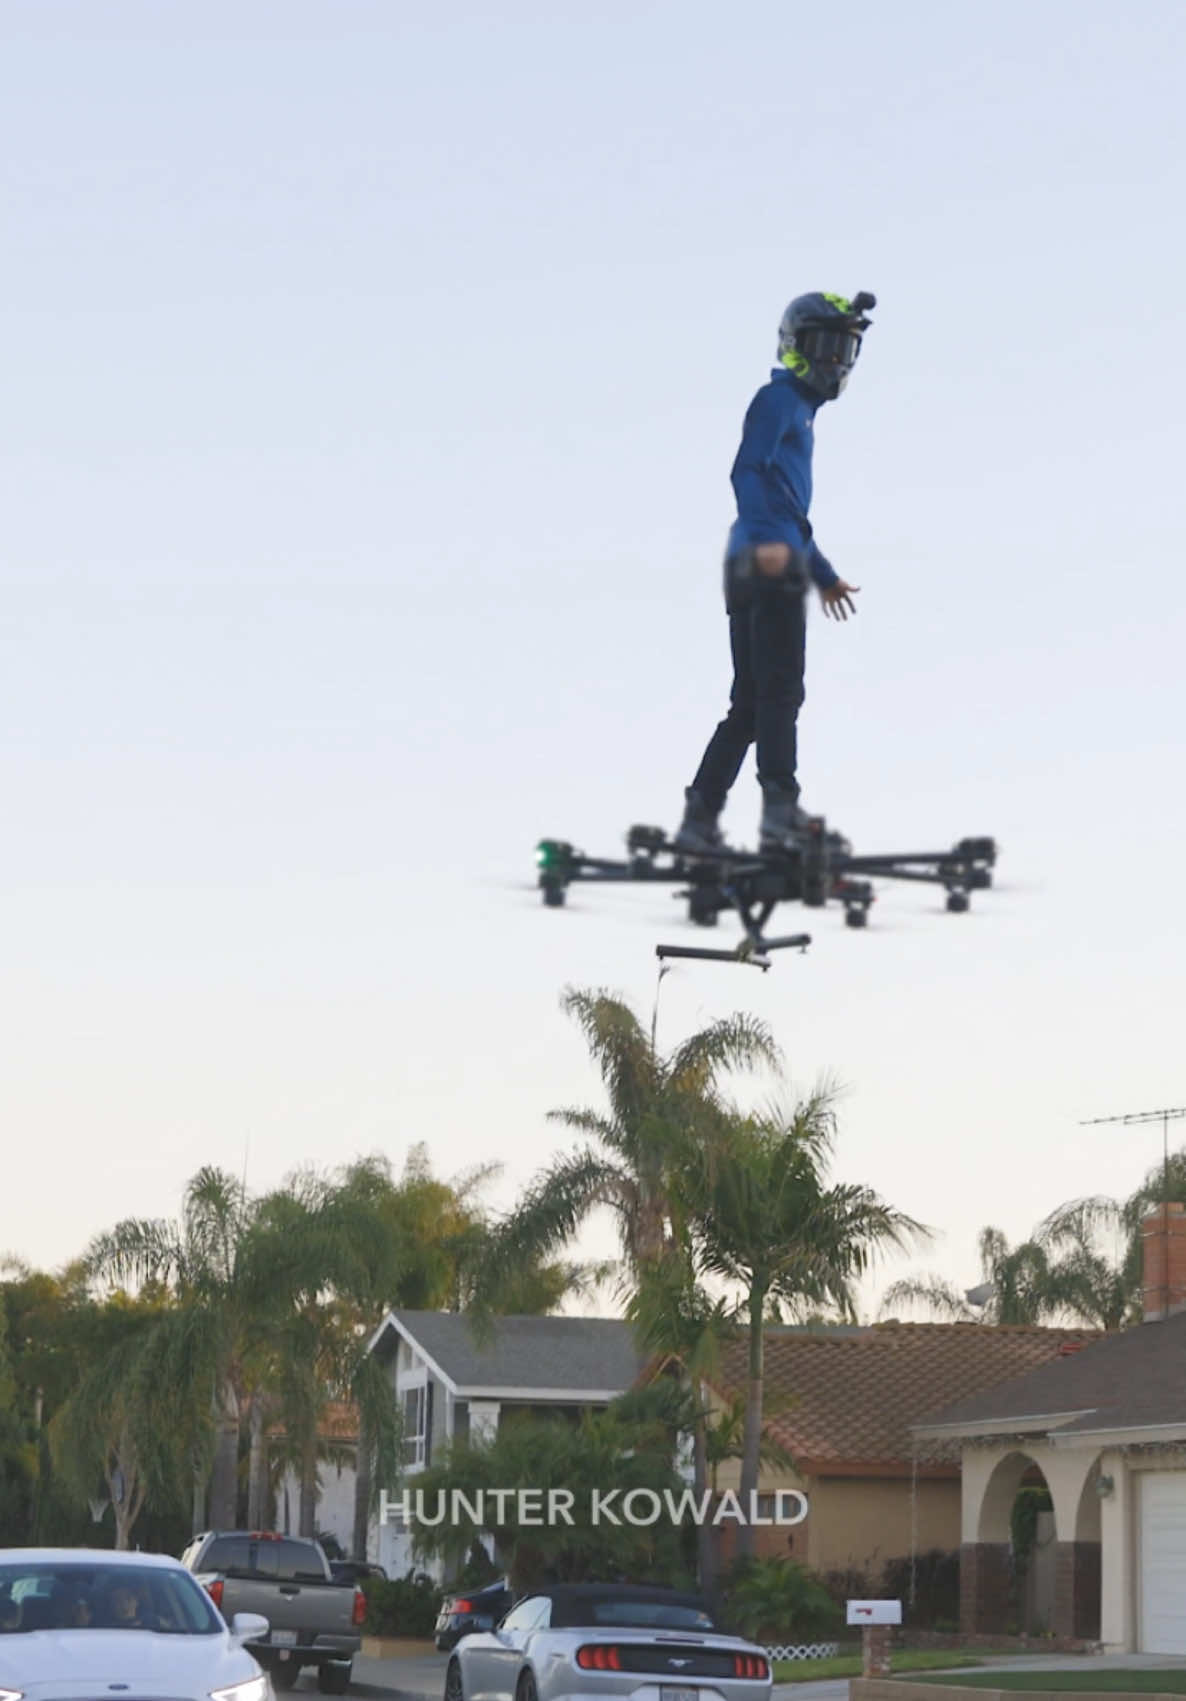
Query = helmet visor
x=829 y=345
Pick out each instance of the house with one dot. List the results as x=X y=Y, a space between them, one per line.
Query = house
x=842 y=1401
x=1105 y=1431
x=450 y=1385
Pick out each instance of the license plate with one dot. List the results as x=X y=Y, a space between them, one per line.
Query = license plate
x=287 y=1639
x=666 y=1693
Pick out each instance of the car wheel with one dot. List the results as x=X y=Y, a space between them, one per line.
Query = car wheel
x=284 y=1674
x=333 y=1678
x=526 y=1690
x=454 y=1688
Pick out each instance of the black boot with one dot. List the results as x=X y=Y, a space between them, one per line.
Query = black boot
x=699 y=833
x=784 y=824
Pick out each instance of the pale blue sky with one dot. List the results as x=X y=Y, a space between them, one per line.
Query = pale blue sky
x=372 y=376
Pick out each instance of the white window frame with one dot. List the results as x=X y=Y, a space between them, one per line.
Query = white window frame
x=414 y=1445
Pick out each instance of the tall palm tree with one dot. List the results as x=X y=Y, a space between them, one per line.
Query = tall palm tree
x=1018 y=1283
x=231 y=1269
x=115 y=1427
x=659 y=1108
x=763 y=1220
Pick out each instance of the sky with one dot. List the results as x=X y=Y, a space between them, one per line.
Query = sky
x=372 y=375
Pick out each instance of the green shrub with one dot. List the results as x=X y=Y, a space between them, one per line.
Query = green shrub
x=401 y=1606
x=778 y=1600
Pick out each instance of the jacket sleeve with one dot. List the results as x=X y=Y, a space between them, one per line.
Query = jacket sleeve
x=820 y=568
x=764 y=425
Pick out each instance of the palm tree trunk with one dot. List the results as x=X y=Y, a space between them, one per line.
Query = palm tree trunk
x=752 y=1444
x=257 y=1465
x=706 y=1552
x=362 y=1489
x=198 y=1504
x=224 y=1482
x=308 y=1513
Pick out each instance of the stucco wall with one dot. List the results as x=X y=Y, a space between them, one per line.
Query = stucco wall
x=860 y=1522
x=857 y=1523
x=335 y=1501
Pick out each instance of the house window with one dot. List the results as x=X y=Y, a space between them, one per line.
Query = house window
x=415 y=1424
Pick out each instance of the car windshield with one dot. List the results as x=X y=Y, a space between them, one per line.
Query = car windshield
x=43 y=1595
x=648 y=1615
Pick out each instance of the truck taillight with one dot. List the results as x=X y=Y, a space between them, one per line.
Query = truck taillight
x=599 y=1657
x=750 y=1665
x=360 y=1607
x=214 y=1590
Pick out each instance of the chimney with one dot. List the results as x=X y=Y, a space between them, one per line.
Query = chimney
x=1163 y=1251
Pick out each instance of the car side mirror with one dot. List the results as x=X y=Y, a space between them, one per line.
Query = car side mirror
x=248 y=1627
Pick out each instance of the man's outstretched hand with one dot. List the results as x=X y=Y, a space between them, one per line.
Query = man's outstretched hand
x=837 y=600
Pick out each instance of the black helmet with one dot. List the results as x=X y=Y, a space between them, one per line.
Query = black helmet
x=820 y=337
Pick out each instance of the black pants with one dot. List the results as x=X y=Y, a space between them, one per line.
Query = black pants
x=767 y=636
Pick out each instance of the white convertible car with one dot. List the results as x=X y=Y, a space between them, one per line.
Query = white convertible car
x=76 y=1624
x=597 y=1640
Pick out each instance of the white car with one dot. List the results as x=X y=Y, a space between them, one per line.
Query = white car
x=78 y=1622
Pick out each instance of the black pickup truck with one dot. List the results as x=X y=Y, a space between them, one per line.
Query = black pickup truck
x=312 y=1620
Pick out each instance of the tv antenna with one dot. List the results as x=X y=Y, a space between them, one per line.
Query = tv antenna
x=1165 y=1117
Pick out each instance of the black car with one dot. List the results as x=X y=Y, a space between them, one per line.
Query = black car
x=476 y=1609
x=354 y=1570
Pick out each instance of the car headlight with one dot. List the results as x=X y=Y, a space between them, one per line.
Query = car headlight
x=253 y=1689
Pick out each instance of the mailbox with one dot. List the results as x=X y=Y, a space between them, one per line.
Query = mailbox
x=874 y=1612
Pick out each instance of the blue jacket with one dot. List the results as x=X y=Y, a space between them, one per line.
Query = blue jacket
x=772 y=473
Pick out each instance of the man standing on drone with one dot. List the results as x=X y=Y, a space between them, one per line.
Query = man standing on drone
x=770 y=558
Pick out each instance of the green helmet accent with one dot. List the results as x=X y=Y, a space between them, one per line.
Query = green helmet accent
x=819 y=339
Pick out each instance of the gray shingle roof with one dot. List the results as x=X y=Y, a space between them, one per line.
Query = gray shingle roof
x=1132 y=1379
x=577 y=1354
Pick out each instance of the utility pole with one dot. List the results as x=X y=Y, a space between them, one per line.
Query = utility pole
x=1165 y=1117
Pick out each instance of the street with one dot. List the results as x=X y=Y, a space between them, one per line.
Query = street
x=421 y=1677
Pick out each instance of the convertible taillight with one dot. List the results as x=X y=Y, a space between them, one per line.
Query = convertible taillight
x=750 y=1665
x=360 y=1607
x=597 y=1656
x=461 y=1606
x=214 y=1590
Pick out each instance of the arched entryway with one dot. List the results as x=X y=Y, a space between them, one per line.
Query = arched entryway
x=1030 y=1557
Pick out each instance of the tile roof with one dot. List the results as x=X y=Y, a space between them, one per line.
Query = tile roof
x=1131 y=1379
x=847 y=1396
x=580 y=1355
x=338 y=1421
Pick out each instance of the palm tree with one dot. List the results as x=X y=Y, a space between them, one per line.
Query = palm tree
x=763 y=1220
x=115 y=1425
x=660 y=1108
x=231 y=1270
x=1018 y=1284
x=1083 y=1263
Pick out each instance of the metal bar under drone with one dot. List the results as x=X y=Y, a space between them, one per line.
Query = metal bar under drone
x=704 y=955
x=793 y=941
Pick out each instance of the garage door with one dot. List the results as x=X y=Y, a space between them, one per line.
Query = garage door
x=1162 y=1581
